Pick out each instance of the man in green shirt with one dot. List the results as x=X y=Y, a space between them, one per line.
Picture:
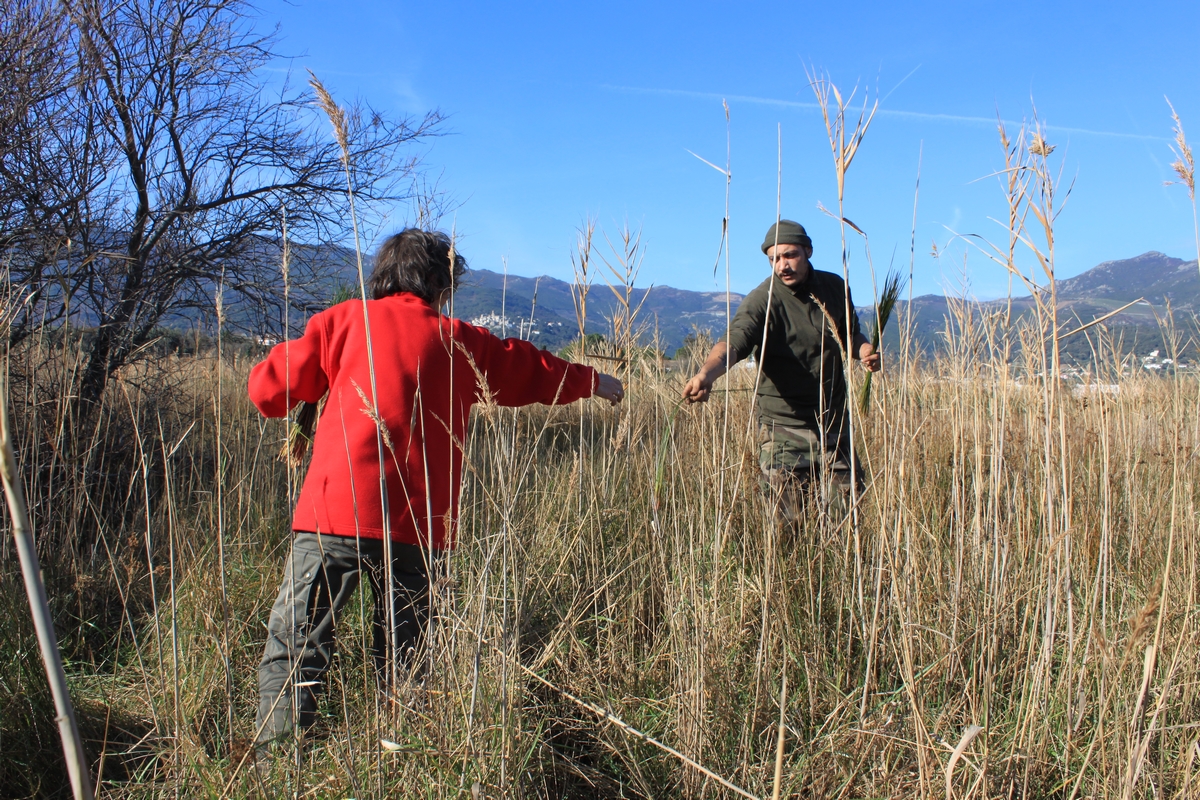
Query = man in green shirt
x=801 y=398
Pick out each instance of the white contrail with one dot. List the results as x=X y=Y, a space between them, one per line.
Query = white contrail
x=888 y=112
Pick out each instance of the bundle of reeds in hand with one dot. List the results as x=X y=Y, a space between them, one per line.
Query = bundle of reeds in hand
x=892 y=286
x=300 y=434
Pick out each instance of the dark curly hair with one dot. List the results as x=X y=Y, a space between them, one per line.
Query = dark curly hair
x=416 y=261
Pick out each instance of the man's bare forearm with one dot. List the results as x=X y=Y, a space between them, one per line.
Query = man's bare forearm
x=720 y=358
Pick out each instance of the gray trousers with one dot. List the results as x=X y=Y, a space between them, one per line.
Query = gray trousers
x=321 y=574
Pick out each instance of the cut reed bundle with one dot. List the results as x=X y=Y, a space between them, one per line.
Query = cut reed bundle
x=893 y=285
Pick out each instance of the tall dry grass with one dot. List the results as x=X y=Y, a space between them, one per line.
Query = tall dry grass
x=599 y=557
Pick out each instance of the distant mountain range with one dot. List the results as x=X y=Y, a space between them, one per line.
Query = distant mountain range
x=672 y=314
x=542 y=309
x=1156 y=277
x=663 y=314
x=1160 y=281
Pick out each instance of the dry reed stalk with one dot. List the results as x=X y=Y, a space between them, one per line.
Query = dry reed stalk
x=581 y=262
x=1185 y=167
x=532 y=309
x=605 y=716
x=1140 y=745
x=39 y=605
x=220 y=462
x=778 y=778
x=178 y=722
x=844 y=147
x=760 y=654
x=623 y=269
x=144 y=472
x=337 y=116
x=722 y=520
x=1032 y=192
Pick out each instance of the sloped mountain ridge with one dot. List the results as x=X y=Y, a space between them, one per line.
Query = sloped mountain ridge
x=1161 y=281
x=675 y=313
x=1157 y=277
x=662 y=312
x=542 y=309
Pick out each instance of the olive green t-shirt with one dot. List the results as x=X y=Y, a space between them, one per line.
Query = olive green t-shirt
x=802 y=360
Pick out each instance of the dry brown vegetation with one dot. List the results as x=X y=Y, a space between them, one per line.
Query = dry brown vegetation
x=626 y=558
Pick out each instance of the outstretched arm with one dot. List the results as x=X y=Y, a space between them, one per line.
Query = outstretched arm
x=518 y=373
x=609 y=388
x=699 y=387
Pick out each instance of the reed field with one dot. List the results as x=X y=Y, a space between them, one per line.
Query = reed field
x=1012 y=611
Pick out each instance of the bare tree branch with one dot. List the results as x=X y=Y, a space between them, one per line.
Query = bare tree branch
x=145 y=156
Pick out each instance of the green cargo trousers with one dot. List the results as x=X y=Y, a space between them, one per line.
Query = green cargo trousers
x=321 y=574
x=799 y=461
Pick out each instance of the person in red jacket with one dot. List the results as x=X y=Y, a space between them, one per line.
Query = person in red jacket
x=387 y=459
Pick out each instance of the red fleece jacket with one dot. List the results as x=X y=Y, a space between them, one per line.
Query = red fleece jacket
x=428 y=370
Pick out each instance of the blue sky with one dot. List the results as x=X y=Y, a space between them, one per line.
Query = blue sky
x=560 y=111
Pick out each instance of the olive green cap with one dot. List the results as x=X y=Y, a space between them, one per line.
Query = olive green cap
x=788 y=233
